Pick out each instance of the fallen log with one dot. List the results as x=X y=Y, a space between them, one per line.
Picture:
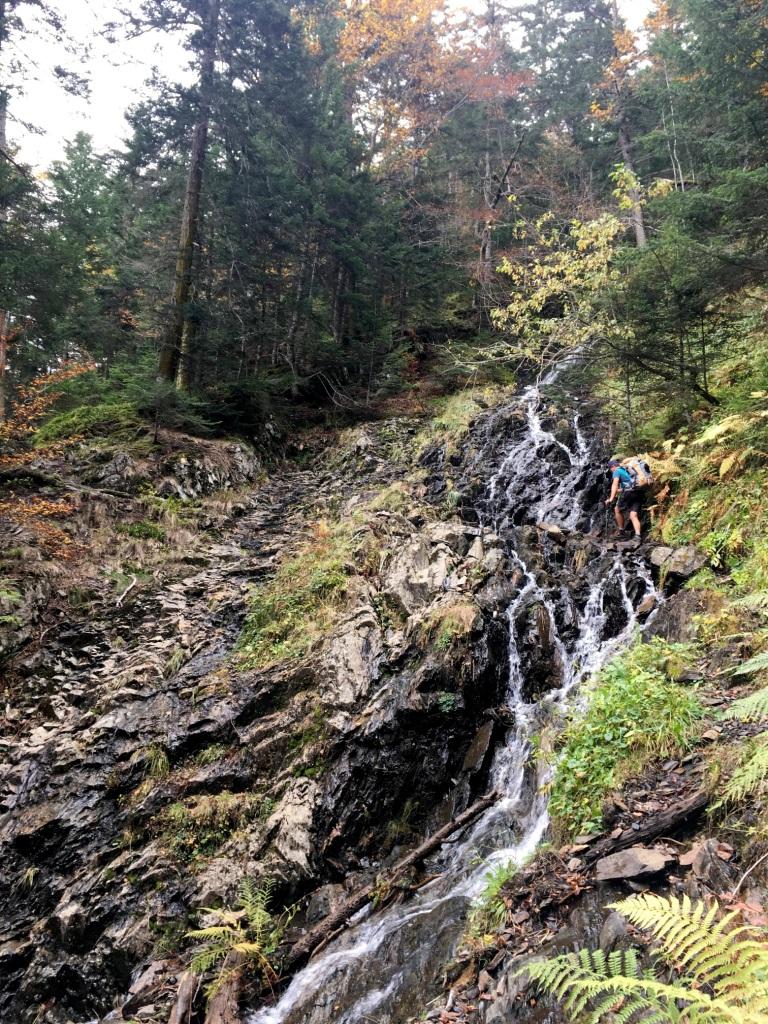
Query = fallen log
x=42 y=479
x=656 y=825
x=181 y=1011
x=339 y=919
x=223 y=1007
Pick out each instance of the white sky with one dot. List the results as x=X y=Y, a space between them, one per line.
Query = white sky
x=117 y=73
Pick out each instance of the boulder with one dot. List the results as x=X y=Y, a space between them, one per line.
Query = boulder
x=709 y=867
x=682 y=562
x=614 y=932
x=637 y=860
x=659 y=555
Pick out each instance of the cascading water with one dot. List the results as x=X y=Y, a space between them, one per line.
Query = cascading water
x=379 y=969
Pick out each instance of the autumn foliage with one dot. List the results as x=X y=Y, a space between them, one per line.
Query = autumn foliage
x=33 y=402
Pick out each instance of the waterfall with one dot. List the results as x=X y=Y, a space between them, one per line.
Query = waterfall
x=379 y=968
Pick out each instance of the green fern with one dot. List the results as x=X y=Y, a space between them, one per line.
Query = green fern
x=248 y=935
x=757 y=602
x=756 y=664
x=751 y=774
x=723 y=970
x=753 y=708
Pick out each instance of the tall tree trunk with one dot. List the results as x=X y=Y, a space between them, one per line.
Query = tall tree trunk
x=636 y=216
x=3 y=151
x=3 y=359
x=171 y=353
x=625 y=145
x=337 y=318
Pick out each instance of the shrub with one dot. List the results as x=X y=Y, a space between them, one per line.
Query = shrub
x=142 y=531
x=489 y=911
x=636 y=712
x=198 y=828
x=251 y=931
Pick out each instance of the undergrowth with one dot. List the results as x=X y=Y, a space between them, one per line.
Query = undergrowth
x=489 y=911
x=636 y=712
x=251 y=933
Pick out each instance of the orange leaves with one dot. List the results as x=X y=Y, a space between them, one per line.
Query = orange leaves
x=34 y=514
x=33 y=401
x=412 y=62
x=377 y=31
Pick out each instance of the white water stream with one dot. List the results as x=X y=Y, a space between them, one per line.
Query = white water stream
x=380 y=967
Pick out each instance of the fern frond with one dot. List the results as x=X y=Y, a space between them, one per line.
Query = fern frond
x=207 y=958
x=750 y=776
x=753 y=708
x=756 y=664
x=730 y=960
x=640 y=999
x=754 y=602
x=222 y=933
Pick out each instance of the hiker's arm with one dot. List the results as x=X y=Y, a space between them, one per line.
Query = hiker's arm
x=614 y=491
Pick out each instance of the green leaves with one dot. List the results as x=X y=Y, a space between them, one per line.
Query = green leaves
x=636 y=711
x=248 y=935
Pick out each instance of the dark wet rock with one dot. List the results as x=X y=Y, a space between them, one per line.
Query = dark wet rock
x=554 y=531
x=708 y=867
x=674 y=620
x=474 y=757
x=614 y=933
x=324 y=901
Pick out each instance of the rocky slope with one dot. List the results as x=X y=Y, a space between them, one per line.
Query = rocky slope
x=147 y=771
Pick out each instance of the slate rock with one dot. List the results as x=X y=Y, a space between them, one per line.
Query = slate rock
x=637 y=860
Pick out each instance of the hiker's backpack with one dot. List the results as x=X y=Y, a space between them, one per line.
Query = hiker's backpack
x=639 y=470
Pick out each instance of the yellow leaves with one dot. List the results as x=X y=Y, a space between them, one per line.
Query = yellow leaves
x=728 y=425
x=661 y=187
x=728 y=463
x=556 y=287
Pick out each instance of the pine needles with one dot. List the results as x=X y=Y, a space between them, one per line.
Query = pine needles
x=721 y=968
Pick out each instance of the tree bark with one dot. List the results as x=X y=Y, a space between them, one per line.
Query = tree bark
x=625 y=144
x=224 y=1006
x=181 y=1011
x=306 y=945
x=171 y=354
x=3 y=149
x=636 y=216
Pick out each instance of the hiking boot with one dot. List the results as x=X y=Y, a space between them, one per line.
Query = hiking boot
x=635 y=542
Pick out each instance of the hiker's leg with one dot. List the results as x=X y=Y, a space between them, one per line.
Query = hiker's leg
x=634 y=518
x=619 y=516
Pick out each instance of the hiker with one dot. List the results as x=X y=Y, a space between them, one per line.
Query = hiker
x=629 y=480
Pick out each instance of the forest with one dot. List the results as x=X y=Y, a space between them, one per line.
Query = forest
x=349 y=194
x=383 y=565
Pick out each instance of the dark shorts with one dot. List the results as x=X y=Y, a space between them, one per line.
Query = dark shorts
x=632 y=500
